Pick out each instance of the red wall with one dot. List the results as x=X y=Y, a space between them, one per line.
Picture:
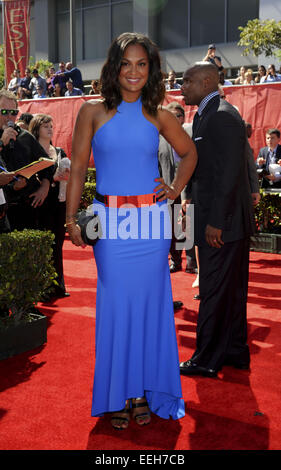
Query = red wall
x=257 y=104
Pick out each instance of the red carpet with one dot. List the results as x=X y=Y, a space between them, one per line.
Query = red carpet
x=46 y=393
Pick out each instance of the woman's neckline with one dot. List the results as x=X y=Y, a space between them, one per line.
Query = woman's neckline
x=131 y=102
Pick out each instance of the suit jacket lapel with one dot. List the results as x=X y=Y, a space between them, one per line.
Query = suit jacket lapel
x=197 y=122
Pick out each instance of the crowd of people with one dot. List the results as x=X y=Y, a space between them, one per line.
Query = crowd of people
x=246 y=76
x=66 y=81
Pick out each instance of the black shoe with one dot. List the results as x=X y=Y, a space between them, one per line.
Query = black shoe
x=61 y=295
x=177 y=304
x=190 y=368
x=51 y=297
x=174 y=268
x=197 y=297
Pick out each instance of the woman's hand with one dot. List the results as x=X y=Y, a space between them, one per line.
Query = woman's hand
x=41 y=194
x=74 y=232
x=165 y=191
x=62 y=175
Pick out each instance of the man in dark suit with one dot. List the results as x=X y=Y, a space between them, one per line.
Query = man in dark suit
x=223 y=222
x=271 y=154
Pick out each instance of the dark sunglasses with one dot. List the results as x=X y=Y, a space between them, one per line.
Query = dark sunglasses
x=12 y=112
x=179 y=115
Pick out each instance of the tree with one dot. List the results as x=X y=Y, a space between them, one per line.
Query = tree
x=261 y=37
x=41 y=65
x=2 y=66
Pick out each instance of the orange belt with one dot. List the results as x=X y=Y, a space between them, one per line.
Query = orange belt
x=118 y=201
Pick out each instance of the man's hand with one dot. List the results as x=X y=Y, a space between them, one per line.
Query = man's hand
x=213 y=236
x=261 y=161
x=8 y=134
x=271 y=177
x=6 y=178
x=256 y=197
x=184 y=203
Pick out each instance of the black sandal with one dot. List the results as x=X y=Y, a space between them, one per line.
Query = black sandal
x=122 y=419
x=138 y=417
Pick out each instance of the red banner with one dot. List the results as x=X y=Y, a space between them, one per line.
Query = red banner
x=16 y=36
x=258 y=104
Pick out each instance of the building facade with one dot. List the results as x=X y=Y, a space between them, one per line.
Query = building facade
x=82 y=30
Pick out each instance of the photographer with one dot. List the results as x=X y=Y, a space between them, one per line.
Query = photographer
x=19 y=149
x=211 y=57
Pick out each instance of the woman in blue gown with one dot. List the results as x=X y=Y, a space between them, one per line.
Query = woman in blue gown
x=136 y=360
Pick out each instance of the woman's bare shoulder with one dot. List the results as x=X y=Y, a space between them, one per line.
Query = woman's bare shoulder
x=93 y=107
x=164 y=117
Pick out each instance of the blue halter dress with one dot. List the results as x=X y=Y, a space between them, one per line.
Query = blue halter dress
x=136 y=347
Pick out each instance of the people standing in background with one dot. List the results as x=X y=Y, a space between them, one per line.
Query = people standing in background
x=222 y=80
x=74 y=74
x=50 y=73
x=24 y=120
x=269 y=160
x=58 y=92
x=39 y=93
x=60 y=78
x=168 y=164
x=261 y=73
x=71 y=91
x=14 y=83
x=94 y=87
x=37 y=80
x=271 y=75
x=24 y=92
x=23 y=213
x=213 y=58
x=52 y=213
x=171 y=82
x=241 y=77
x=249 y=78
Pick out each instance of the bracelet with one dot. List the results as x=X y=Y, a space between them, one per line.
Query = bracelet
x=70 y=223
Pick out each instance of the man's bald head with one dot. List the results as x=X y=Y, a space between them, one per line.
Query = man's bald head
x=206 y=70
x=198 y=81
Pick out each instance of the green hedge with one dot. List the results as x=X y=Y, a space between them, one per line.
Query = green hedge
x=89 y=189
x=268 y=213
x=26 y=271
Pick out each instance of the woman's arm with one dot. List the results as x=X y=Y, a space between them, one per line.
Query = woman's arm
x=174 y=133
x=81 y=148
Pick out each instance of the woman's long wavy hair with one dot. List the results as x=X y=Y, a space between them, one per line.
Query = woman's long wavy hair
x=154 y=90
